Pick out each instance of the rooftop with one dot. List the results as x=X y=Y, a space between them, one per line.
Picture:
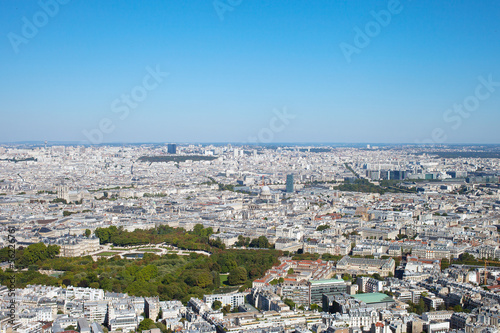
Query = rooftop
x=373 y=298
x=327 y=281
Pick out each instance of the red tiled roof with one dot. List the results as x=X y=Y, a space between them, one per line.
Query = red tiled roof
x=493 y=287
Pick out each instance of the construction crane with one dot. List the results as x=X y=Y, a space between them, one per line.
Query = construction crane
x=486 y=268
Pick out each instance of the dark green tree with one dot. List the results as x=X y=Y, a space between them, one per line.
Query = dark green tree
x=289 y=302
x=226 y=309
x=315 y=307
x=216 y=279
x=322 y=227
x=263 y=242
x=216 y=305
x=237 y=276
x=146 y=324
x=346 y=277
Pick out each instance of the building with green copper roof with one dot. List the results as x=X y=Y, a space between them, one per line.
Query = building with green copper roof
x=377 y=300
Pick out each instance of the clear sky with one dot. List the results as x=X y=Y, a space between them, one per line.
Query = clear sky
x=233 y=64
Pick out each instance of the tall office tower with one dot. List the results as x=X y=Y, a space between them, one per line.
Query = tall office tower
x=289 y=183
x=172 y=148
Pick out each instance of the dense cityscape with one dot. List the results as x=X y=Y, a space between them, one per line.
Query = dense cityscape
x=239 y=238
x=249 y=166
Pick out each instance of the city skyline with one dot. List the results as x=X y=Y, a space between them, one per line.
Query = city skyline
x=249 y=166
x=157 y=238
x=250 y=72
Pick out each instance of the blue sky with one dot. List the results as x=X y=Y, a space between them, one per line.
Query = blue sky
x=231 y=64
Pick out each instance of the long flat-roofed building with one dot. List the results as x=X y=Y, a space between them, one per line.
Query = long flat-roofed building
x=375 y=300
x=234 y=300
x=366 y=266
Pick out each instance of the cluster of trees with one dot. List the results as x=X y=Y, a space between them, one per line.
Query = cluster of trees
x=198 y=239
x=322 y=227
x=289 y=302
x=363 y=185
x=107 y=235
x=292 y=305
x=30 y=255
x=237 y=276
x=277 y=281
x=466 y=259
x=224 y=187
x=26 y=277
x=216 y=305
x=421 y=307
x=437 y=214
x=330 y=257
x=346 y=235
x=314 y=256
x=15 y=160
x=148 y=324
x=316 y=307
x=170 y=276
x=199 y=230
x=242 y=241
x=154 y=195
x=360 y=185
x=101 y=189
x=255 y=262
x=211 y=182
x=348 y=167
x=261 y=242
x=347 y=277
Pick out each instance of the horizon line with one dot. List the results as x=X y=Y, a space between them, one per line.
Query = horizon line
x=43 y=142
